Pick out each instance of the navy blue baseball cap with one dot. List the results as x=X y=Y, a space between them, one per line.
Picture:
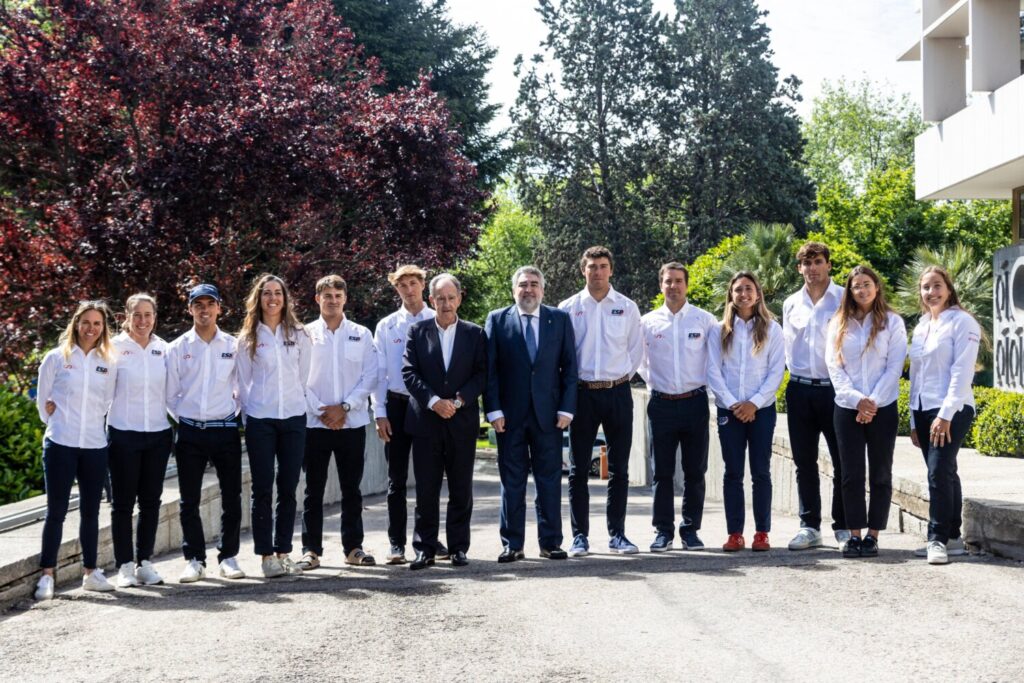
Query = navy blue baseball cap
x=203 y=290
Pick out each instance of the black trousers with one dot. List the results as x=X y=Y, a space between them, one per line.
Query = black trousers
x=613 y=410
x=138 y=465
x=275 y=447
x=348 y=447
x=194 y=449
x=879 y=438
x=945 y=495
x=444 y=452
x=679 y=426
x=396 y=452
x=810 y=413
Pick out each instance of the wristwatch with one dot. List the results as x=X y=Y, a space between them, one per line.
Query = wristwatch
x=346 y=407
x=458 y=403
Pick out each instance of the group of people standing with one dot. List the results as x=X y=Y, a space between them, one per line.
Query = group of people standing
x=303 y=392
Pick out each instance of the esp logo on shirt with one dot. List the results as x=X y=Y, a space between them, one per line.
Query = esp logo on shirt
x=100 y=369
x=157 y=352
x=618 y=311
x=693 y=335
x=289 y=342
x=227 y=354
x=355 y=338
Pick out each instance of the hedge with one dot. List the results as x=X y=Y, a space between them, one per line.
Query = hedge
x=21 y=440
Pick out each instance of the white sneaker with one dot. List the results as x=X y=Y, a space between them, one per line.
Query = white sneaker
x=96 y=581
x=126 y=576
x=806 y=538
x=842 y=536
x=44 y=589
x=290 y=567
x=272 y=567
x=937 y=553
x=194 y=570
x=955 y=548
x=396 y=555
x=147 y=575
x=229 y=569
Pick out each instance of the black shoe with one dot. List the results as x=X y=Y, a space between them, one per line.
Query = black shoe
x=422 y=561
x=442 y=552
x=459 y=559
x=869 y=546
x=852 y=547
x=509 y=555
x=553 y=554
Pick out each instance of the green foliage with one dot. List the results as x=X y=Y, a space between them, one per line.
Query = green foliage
x=508 y=241
x=903 y=408
x=780 y=395
x=999 y=429
x=21 y=439
x=971 y=274
x=983 y=398
x=703 y=275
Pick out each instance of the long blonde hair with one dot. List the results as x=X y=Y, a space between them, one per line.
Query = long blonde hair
x=762 y=316
x=848 y=309
x=133 y=301
x=69 y=337
x=254 y=313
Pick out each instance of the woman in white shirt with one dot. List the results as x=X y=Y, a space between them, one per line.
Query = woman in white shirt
x=140 y=441
x=273 y=361
x=865 y=349
x=746 y=362
x=943 y=353
x=76 y=386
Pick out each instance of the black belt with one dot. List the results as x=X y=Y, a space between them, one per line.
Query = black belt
x=678 y=397
x=810 y=381
x=395 y=396
x=210 y=424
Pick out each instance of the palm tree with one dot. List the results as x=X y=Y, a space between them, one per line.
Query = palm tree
x=767 y=251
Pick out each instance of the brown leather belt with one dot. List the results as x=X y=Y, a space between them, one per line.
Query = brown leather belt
x=395 y=396
x=604 y=384
x=678 y=397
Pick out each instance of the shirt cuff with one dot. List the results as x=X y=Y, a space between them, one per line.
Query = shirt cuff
x=757 y=400
x=432 y=401
x=568 y=415
x=494 y=415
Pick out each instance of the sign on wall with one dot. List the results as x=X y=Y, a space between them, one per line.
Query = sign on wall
x=1008 y=317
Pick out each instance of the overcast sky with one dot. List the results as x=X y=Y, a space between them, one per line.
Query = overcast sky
x=817 y=40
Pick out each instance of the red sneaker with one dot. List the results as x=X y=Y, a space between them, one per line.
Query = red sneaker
x=760 y=543
x=734 y=543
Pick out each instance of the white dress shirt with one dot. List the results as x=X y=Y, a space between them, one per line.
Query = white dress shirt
x=609 y=342
x=943 y=354
x=82 y=387
x=272 y=384
x=447 y=338
x=804 y=326
x=140 y=392
x=389 y=340
x=676 y=349
x=740 y=374
x=202 y=383
x=867 y=371
x=342 y=369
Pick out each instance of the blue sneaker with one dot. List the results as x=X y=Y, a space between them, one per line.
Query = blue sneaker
x=662 y=542
x=580 y=546
x=620 y=544
x=690 y=539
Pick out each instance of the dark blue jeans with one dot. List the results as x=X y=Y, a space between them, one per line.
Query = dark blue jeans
x=945 y=496
x=738 y=439
x=61 y=466
x=138 y=465
x=679 y=426
x=282 y=443
x=348 y=447
x=522 y=449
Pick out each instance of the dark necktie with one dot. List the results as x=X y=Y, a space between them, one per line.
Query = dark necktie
x=531 y=341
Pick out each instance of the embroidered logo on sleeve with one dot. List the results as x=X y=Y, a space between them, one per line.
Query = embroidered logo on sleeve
x=973 y=338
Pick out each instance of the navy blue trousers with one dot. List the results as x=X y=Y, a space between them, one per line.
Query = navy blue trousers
x=521 y=449
x=738 y=440
x=61 y=466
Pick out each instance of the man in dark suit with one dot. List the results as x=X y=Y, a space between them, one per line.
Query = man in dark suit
x=530 y=400
x=445 y=370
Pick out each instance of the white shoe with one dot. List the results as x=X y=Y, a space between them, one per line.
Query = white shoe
x=937 y=553
x=147 y=575
x=396 y=555
x=194 y=570
x=96 y=581
x=229 y=569
x=842 y=536
x=44 y=589
x=272 y=567
x=806 y=538
x=955 y=548
x=290 y=567
x=126 y=576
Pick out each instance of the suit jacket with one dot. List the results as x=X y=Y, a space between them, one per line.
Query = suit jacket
x=425 y=377
x=516 y=386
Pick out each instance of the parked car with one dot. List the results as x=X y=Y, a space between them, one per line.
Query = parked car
x=595 y=458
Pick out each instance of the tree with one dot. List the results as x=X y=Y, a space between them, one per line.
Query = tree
x=148 y=144
x=412 y=37
x=738 y=145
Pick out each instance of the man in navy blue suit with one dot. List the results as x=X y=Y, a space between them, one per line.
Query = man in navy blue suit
x=530 y=401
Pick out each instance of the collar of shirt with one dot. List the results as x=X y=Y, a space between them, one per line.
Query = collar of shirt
x=833 y=291
x=405 y=316
x=678 y=315
x=220 y=335
x=446 y=330
x=322 y=324
x=612 y=295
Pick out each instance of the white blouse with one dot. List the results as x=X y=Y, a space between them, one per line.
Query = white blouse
x=273 y=383
x=741 y=375
x=943 y=353
x=82 y=387
x=140 y=392
x=867 y=371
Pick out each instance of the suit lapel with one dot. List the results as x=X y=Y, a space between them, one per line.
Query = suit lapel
x=543 y=328
x=434 y=345
x=515 y=331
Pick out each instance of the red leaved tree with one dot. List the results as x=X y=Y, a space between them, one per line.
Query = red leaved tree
x=148 y=144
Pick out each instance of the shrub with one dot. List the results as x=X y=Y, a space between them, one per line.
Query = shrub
x=999 y=428
x=983 y=398
x=903 y=408
x=780 y=395
x=21 y=439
